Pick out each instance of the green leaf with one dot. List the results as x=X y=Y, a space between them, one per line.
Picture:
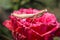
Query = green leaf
x=5 y=33
x=5 y=4
x=56 y=38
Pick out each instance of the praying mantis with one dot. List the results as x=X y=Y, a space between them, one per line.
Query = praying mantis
x=30 y=15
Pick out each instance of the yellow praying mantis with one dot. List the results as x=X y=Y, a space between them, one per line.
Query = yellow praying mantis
x=30 y=15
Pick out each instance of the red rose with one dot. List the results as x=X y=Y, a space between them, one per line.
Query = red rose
x=39 y=28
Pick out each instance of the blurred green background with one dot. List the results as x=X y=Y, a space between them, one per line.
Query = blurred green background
x=8 y=6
